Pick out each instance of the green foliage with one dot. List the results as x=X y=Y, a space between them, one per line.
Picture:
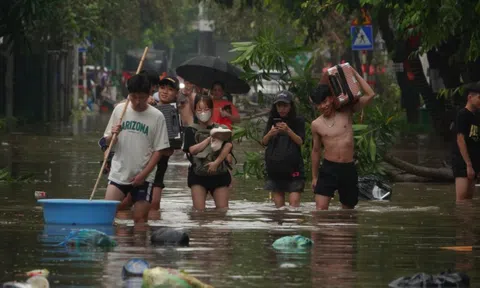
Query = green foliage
x=253 y=17
x=54 y=23
x=372 y=138
x=6 y=176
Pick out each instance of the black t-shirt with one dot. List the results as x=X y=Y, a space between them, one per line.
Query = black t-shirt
x=468 y=124
x=298 y=127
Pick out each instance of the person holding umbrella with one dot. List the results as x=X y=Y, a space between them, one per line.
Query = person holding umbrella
x=220 y=76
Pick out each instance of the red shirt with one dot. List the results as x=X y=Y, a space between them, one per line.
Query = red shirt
x=217 y=117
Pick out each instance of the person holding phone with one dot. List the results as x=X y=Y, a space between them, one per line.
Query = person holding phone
x=283 y=137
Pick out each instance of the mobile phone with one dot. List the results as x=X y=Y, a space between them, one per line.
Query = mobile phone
x=277 y=120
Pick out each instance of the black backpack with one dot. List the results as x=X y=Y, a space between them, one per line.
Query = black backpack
x=282 y=157
x=173 y=123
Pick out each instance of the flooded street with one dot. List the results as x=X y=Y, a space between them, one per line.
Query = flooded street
x=368 y=247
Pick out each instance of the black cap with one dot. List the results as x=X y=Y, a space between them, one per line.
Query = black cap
x=284 y=96
x=320 y=93
x=472 y=87
x=171 y=81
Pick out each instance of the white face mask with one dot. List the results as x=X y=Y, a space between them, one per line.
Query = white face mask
x=216 y=144
x=204 y=116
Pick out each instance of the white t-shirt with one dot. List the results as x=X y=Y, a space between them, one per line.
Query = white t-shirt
x=142 y=133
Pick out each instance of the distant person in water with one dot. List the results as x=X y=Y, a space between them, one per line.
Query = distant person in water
x=334 y=131
x=466 y=148
x=141 y=141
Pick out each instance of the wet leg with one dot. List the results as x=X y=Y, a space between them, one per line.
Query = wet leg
x=278 y=198
x=126 y=203
x=113 y=193
x=199 y=196
x=156 y=198
x=140 y=212
x=464 y=188
x=220 y=196
x=294 y=199
x=322 y=202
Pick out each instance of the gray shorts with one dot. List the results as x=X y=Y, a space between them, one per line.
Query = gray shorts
x=294 y=185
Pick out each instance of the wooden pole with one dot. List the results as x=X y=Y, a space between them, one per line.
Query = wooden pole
x=105 y=156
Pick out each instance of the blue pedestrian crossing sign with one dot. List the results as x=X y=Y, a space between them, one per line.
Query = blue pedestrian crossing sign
x=362 y=37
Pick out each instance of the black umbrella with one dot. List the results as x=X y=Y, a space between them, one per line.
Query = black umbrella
x=203 y=71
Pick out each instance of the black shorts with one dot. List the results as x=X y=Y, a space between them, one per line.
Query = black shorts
x=139 y=193
x=293 y=185
x=210 y=183
x=459 y=167
x=162 y=166
x=338 y=176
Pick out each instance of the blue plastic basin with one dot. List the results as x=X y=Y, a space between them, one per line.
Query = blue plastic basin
x=79 y=211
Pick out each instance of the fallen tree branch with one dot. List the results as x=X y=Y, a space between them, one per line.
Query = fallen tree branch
x=438 y=174
x=397 y=175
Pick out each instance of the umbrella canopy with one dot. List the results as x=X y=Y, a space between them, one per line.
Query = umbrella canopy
x=203 y=71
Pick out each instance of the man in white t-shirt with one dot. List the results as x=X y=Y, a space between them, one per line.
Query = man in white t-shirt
x=141 y=141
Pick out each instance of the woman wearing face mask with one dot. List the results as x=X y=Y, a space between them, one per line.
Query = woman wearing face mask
x=209 y=170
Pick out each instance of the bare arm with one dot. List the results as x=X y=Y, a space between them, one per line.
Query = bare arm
x=225 y=151
x=269 y=136
x=462 y=146
x=369 y=93
x=316 y=152
x=199 y=147
x=295 y=138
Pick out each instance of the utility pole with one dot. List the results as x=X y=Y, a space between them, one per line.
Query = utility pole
x=206 y=45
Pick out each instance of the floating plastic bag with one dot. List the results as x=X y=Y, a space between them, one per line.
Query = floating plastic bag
x=372 y=187
x=296 y=243
x=444 y=279
x=33 y=282
x=161 y=277
x=88 y=238
x=169 y=236
x=134 y=268
x=38 y=272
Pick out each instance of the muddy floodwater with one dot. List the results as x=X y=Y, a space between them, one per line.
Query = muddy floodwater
x=368 y=247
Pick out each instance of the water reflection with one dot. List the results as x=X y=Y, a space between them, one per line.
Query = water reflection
x=367 y=247
x=465 y=235
x=334 y=251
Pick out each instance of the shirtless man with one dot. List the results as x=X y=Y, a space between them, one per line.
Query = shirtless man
x=333 y=130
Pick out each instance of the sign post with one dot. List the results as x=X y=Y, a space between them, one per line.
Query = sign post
x=361 y=33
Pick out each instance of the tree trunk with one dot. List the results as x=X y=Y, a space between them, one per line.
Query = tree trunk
x=62 y=85
x=398 y=50
x=398 y=175
x=438 y=174
x=9 y=85
x=45 y=64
